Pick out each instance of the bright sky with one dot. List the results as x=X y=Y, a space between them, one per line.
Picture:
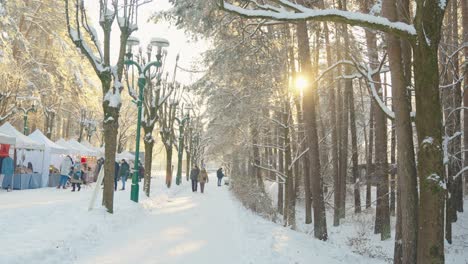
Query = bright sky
x=190 y=51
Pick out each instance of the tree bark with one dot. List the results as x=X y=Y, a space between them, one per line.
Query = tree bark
x=428 y=22
x=310 y=118
x=148 y=166
x=168 y=166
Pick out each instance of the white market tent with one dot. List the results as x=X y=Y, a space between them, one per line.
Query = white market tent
x=71 y=150
x=5 y=139
x=83 y=150
x=125 y=155
x=22 y=141
x=97 y=150
x=53 y=154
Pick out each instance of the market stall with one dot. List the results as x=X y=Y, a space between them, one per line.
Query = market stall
x=5 y=143
x=53 y=156
x=28 y=171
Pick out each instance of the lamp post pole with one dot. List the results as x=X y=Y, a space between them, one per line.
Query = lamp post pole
x=181 y=148
x=142 y=72
x=25 y=118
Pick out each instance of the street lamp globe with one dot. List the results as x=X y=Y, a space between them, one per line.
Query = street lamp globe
x=132 y=41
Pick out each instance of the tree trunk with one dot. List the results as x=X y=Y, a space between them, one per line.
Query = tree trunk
x=333 y=121
x=111 y=126
x=280 y=143
x=148 y=166
x=355 y=157
x=464 y=8
x=168 y=166
x=428 y=21
x=407 y=217
x=310 y=118
x=369 y=165
x=291 y=194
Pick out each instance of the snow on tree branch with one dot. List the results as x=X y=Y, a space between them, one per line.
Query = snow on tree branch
x=288 y=11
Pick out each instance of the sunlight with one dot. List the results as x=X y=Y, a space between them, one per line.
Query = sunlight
x=301 y=83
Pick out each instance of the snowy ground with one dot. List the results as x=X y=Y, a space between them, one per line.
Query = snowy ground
x=356 y=231
x=174 y=226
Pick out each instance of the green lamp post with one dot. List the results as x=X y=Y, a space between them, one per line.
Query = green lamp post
x=26 y=111
x=159 y=43
x=181 y=146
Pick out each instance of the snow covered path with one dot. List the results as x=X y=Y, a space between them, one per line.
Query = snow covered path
x=174 y=226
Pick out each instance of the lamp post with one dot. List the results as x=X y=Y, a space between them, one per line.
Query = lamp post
x=26 y=111
x=159 y=43
x=181 y=145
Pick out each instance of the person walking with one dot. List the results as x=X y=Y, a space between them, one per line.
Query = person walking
x=194 y=177
x=220 y=175
x=116 y=175
x=65 y=168
x=203 y=178
x=77 y=176
x=124 y=172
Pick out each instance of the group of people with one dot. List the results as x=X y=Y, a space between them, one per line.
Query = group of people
x=201 y=176
x=73 y=171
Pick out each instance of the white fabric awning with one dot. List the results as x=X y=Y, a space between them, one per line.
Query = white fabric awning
x=125 y=155
x=38 y=136
x=83 y=150
x=5 y=139
x=71 y=150
x=22 y=141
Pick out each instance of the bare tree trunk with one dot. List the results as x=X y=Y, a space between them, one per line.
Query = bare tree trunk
x=334 y=127
x=428 y=22
x=464 y=8
x=310 y=118
x=355 y=157
x=168 y=166
x=148 y=166
x=291 y=194
x=280 y=143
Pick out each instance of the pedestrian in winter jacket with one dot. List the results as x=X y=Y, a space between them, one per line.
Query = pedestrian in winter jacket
x=124 y=171
x=203 y=178
x=219 y=175
x=65 y=168
x=194 y=177
x=77 y=176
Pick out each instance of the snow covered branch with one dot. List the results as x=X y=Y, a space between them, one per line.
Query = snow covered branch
x=285 y=10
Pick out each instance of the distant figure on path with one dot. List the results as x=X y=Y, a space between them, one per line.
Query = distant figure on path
x=194 y=177
x=65 y=168
x=124 y=171
x=220 y=175
x=77 y=176
x=203 y=178
x=116 y=175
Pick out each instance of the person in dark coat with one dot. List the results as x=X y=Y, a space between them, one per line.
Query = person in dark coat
x=141 y=171
x=194 y=177
x=116 y=175
x=220 y=175
x=124 y=171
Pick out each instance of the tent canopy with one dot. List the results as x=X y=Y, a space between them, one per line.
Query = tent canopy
x=22 y=141
x=96 y=150
x=38 y=136
x=6 y=139
x=83 y=150
x=125 y=155
x=71 y=150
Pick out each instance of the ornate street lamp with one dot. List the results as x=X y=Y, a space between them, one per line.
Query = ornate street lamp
x=26 y=111
x=143 y=71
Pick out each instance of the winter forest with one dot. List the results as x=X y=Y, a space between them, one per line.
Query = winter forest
x=234 y=131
